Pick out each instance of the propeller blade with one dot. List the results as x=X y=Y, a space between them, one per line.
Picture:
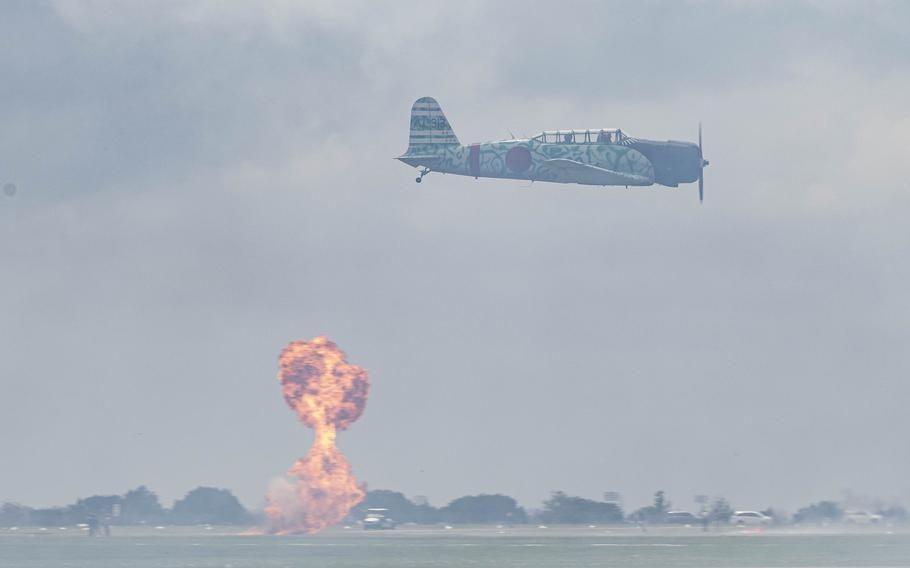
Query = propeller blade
x=701 y=186
x=701 y=171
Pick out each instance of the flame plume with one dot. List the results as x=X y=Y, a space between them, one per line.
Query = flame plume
x=328 y=394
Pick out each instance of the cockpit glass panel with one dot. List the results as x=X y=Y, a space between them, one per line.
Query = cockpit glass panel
x=589 y=136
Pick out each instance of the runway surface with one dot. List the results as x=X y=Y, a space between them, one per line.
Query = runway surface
x=432 y=547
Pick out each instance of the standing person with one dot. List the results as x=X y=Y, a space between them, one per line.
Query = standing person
x=92 y=522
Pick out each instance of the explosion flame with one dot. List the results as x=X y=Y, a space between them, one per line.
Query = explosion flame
x=328 y=394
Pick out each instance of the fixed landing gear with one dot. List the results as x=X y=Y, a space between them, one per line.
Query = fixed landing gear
x=423 y=172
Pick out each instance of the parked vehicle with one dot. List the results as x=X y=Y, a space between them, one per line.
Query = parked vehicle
x=750 y=518
x=681 y=518
x=861 y=518
x=376 y=519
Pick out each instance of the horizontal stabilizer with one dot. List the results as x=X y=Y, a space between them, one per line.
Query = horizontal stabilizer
x=428 y=161
x=592 y=175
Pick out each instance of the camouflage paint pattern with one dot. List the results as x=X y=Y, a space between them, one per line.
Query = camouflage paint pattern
x=433 y=145
x=493 y=159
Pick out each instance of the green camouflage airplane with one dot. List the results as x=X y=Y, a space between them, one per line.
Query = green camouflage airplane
x=600 y=156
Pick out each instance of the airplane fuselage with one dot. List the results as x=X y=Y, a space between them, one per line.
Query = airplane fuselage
x=602 y=156
x=667 y=163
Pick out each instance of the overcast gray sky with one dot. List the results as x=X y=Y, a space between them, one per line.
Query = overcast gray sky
x=201 y=182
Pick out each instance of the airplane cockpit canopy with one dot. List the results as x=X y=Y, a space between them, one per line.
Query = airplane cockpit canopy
x=587 y=136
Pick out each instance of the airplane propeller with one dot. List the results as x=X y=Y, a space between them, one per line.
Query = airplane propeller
x=701 y=171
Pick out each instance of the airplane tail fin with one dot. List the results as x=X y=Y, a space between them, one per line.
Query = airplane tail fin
x=429 y=124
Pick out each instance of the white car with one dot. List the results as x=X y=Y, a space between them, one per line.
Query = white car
x=750 y=518
x=861 y=518
x=376 y=519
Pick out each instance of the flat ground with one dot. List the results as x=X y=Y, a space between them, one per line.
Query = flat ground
x=196 y=547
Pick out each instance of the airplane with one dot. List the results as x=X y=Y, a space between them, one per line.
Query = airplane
x=594 y=156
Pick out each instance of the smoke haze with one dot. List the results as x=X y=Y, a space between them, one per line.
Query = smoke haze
x=199 y=182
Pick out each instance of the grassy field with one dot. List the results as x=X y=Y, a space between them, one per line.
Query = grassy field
x=530 y=547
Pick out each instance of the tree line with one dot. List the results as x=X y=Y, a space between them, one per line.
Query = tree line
x=203 y=505
x=209 y=505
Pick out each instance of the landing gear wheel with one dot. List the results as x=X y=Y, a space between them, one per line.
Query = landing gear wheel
x=419 y=179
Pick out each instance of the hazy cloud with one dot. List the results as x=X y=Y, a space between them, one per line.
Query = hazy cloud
x=201 y=183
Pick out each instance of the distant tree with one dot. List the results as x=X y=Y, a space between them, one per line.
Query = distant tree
x=101 y=506
x=777 y=517
x=14 y=514
x=655 y=512
x=562 y=508
x=721 y=511
x=661 y=505
x=894 y=513
x=53 y=517
x=141 y=506
x=483 y=509
x=97 y=504
x=823 y=511
x=208 y=505
x=426 y=514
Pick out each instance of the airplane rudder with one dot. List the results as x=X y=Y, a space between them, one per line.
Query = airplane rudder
x=429 y=124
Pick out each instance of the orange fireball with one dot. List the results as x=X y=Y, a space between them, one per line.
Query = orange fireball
x=328 y=394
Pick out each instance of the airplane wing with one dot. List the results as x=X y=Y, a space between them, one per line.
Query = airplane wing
x=592 y=175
